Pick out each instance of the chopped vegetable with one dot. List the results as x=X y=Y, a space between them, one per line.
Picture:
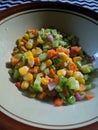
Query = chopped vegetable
x=25 y=85
x=18 y=84
x=51 y=86
x=52 y=72
x=73 y=84
x=51 y=66
x=43 y=56
x=72 y=99
x=89 y=96
x=37 y=85
x=50 y=37
x=78 y=96
x=42 y=95
x=51 y=53
x=23 y=70
x=59 y=102
x=87 y=68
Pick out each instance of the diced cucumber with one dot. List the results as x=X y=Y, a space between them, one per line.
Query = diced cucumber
x=87 y=68
x=37 y=85
x=43 y=56
x=43 y=66
x=73 y=84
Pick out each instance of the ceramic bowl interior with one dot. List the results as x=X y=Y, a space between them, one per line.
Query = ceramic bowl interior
x=33 y=112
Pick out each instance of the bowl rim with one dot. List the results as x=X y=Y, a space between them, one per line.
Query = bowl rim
x=52 y=5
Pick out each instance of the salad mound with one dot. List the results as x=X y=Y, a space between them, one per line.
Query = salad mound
x=51 y=66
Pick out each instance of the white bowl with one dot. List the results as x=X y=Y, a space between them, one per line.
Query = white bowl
x=69 y=19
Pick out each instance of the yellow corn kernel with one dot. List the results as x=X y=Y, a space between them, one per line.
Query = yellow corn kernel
x=34 y=52
x=61 y=72
x=29 y=44
x=23 y=70
x=26 y=36
x=19 y=40
x=40 y=41
x=79 y=76
x=70 y=60
x=77 y=58
x=31 y=61
x=44 y=81
x=65 y=57
x=81 y=80
x=49 y=62
x=25 y=85
x=28 y=77
x=29 y=54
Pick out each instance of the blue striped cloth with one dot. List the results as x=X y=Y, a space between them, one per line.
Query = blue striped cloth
x=90 y=4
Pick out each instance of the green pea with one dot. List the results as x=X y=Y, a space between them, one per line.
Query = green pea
x=71 y=100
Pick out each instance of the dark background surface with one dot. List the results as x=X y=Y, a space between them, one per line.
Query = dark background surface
x=90 y=4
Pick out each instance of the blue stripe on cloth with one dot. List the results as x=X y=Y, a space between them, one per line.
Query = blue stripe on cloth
x=90 y=4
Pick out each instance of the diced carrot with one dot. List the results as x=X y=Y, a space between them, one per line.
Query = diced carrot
x=66 y=51
x=51 y=53
x=62 y=49
x=52 y=72
x=36 y=69
x=72 y=66
x=15 y=52
x=37 y=60
x=23 y=48
x=20 y=63
x=42 y=95
x=74 y=51
x=82 y=88
x=56 y=79
x=34 y=32
x=89 y=96
x=18 y=84
x=31 y=70
x=24 y=41
x=14 y=60
x=75 y=48
x=58 y=102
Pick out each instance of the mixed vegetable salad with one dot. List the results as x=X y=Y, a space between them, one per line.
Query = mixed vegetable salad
x=51 y=66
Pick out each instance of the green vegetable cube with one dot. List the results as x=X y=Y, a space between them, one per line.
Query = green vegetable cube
x=43 y=56
x=73 y=84
x=37 y=85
